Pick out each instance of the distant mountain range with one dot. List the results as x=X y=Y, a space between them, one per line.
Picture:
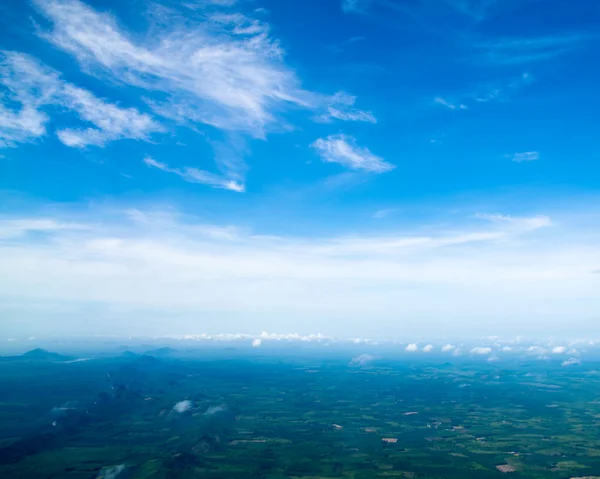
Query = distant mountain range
x=38 y=355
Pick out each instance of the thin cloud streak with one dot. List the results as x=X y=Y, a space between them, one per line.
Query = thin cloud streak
x=343 y=149
x=194 y=175
x=525 y=157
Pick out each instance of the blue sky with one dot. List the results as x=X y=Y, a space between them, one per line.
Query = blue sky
x=355 y=167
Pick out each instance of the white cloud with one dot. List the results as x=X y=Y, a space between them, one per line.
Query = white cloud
x=257 y=343
x=411 y=348
x=457 y=352
x=112 y=472
x=182 y=406
x=166 y=264
x=536 y=350
x=212 y=410
x=363 y=359
x=428 y=348
x=225 y=71
x=571 y=362
x=501 y=90
x=14 y=228
x=525 y=223
x=341 y=107
x=35 y=86
x=559 y=350
x=525 y=156
x=354 y=6
x=343 y=149
x=481 y=350
x=518 y=51
x=111 y=122
x=380 y=214
x=448 y=347
x=194 y=175
x=451 y=105
x=218 y=68
x=507 y=349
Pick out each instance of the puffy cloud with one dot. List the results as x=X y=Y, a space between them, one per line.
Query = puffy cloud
x=559 y=350
x=536 y=350
x=342 y=149
x=411 y=348
x=182 y=406
x=571 y=362
x=257 y=343
x=428 y=348
x=507 y=349
x=448 y=347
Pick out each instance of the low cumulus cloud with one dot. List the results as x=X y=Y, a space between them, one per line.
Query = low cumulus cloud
x=215 y=410
x=182 y=406
x=411 y=348
x=428 y=348
x=571 y=362
x=559 y=350
x=257 y=343
x=363 y=359
x=536 y=350
x=112 y=472
x=448 y=348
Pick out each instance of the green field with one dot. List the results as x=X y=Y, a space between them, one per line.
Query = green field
x=274 y=417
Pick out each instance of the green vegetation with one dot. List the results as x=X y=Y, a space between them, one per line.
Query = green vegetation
x=277 y=418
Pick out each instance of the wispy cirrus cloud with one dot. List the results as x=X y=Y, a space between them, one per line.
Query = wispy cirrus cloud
x=383 y=213
x=195 y=175
x=525 y=156
x=524 y=223
x=450 y=104
x=355 y=6
x=341 y=107
x=516 y=51
x=223 y=70
x=501 y=90
x=343 y=149
x=35 y=87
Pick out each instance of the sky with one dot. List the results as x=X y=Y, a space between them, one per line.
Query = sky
x=372 y=168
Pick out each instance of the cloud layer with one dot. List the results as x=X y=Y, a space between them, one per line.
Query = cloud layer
x=160 y=264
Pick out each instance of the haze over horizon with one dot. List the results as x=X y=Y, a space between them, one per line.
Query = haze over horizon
x=356 y=168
